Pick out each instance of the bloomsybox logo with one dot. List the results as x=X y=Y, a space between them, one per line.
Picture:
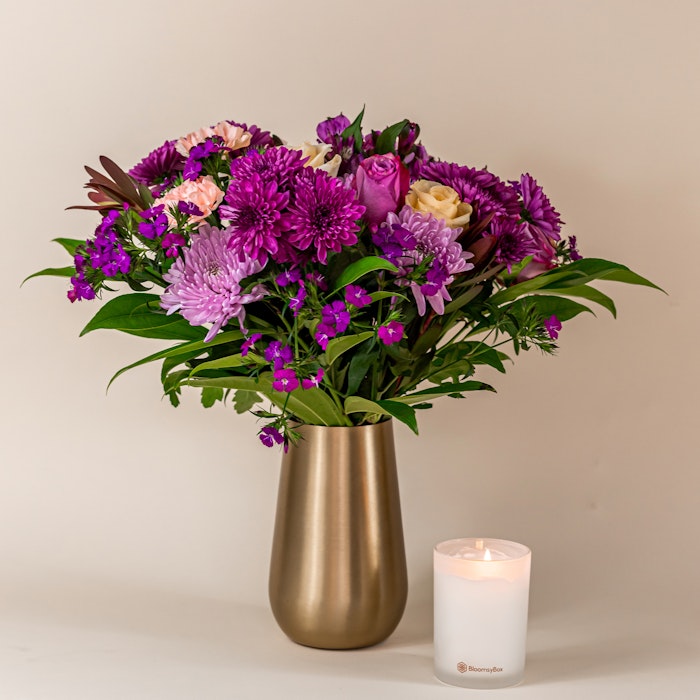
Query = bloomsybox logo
x=463 y=668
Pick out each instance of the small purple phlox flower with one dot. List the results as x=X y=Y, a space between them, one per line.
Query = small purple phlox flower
x=156 y=223
x=390 y=333
x=288 y=277
x=81 y=289
x=357 y=296
x=249 y=343
x=193 y=166
x=285 y=380
x=318 y=279
x=269 y=436
x=336 y=315
x=297 y=302
x=189 y=208
x=314 y=381
x=435 y=279
x=280 y=355
x=171 y=243
x=323 y=334
x=553 y=326
x=573 y=249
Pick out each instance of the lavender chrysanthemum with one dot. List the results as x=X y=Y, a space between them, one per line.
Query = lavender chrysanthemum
x=160 y=164
x=205 y=283
x=324 y=214
x=254 y=211
x=488 y=194
x=278 y=165
x=432 y=239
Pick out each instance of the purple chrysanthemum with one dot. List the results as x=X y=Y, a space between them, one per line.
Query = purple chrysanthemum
x=513 y=242
x=537 y=210
x=254 y=211
x=390 y=333
x=432 y=239
x=205 y=283
x=488 y=194
x=324 y=214
x=160 y=164
x=280 y=165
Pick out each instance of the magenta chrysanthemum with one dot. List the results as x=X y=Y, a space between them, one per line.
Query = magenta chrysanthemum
x=429 y=237
x=324 y=214
x=513 y=242
x=488 y=194
x=205 y=282
x=254 y=211
x=278 y=165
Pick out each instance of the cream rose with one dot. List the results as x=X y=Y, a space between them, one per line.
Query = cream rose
x=315 y=155
x=439 y=200
x=202 y=192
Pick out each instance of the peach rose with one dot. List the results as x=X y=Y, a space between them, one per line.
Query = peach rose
x=202 y=192
x=315 y=155
x=234 y=137
x=439 y=200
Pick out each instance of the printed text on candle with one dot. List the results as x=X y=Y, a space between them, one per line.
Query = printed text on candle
x=463 y=668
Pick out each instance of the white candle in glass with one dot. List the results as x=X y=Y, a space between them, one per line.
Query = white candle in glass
x=481 y=598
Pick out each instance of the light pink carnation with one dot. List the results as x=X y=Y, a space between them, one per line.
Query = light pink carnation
x=202 y=192
x=234 y=137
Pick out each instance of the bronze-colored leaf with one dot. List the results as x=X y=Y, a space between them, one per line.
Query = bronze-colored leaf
x=125 y=183
x=482 y=251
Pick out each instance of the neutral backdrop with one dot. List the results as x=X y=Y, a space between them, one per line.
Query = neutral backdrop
x=121 y=513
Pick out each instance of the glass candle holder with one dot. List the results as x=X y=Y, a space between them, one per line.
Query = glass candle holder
x=481 y=596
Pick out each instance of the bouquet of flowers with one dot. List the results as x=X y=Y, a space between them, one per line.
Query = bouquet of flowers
x=336 y=283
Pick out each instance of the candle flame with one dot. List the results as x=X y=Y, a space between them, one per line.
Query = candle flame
x=487 y=555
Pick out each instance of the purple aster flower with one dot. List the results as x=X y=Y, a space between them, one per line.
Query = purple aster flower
x=296 y=303
x=205 y=283
x=431 y=238
x=553 y=326
x=324 y=214
x=279 y=355
x=159 y=165
x=323 y=334
x=280 y=165
x=255 y=217
x=357 y=296
x=513 y=242
x=313 y=382
x=269 y=436
x=488 y=195
x=391 y=332
x=336 y=315
x=288 y=277
x=285 y=380
x=171 y=244
x=249 y=344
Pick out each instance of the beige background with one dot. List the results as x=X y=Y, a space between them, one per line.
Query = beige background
x=125 y=519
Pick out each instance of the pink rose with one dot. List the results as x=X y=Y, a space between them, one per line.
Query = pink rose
x=202 y=192
x=381 y=182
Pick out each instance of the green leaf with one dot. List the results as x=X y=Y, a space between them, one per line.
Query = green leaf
x=401 y=411
x=361 y=267
x=210 y=395
x=376 y=296
x=337 y=346
x=584 y=292
x=442 y=390
x=476 y=352
x=386 y=141
x=359 y=365
x=52 y=272
x=244 y=400
x=69 y=244
x=135 y=314
x=546 y=306
x=184 y=351
x=228 y=362
x=354 y=131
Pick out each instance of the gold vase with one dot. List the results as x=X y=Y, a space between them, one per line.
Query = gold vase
x=338 y=572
